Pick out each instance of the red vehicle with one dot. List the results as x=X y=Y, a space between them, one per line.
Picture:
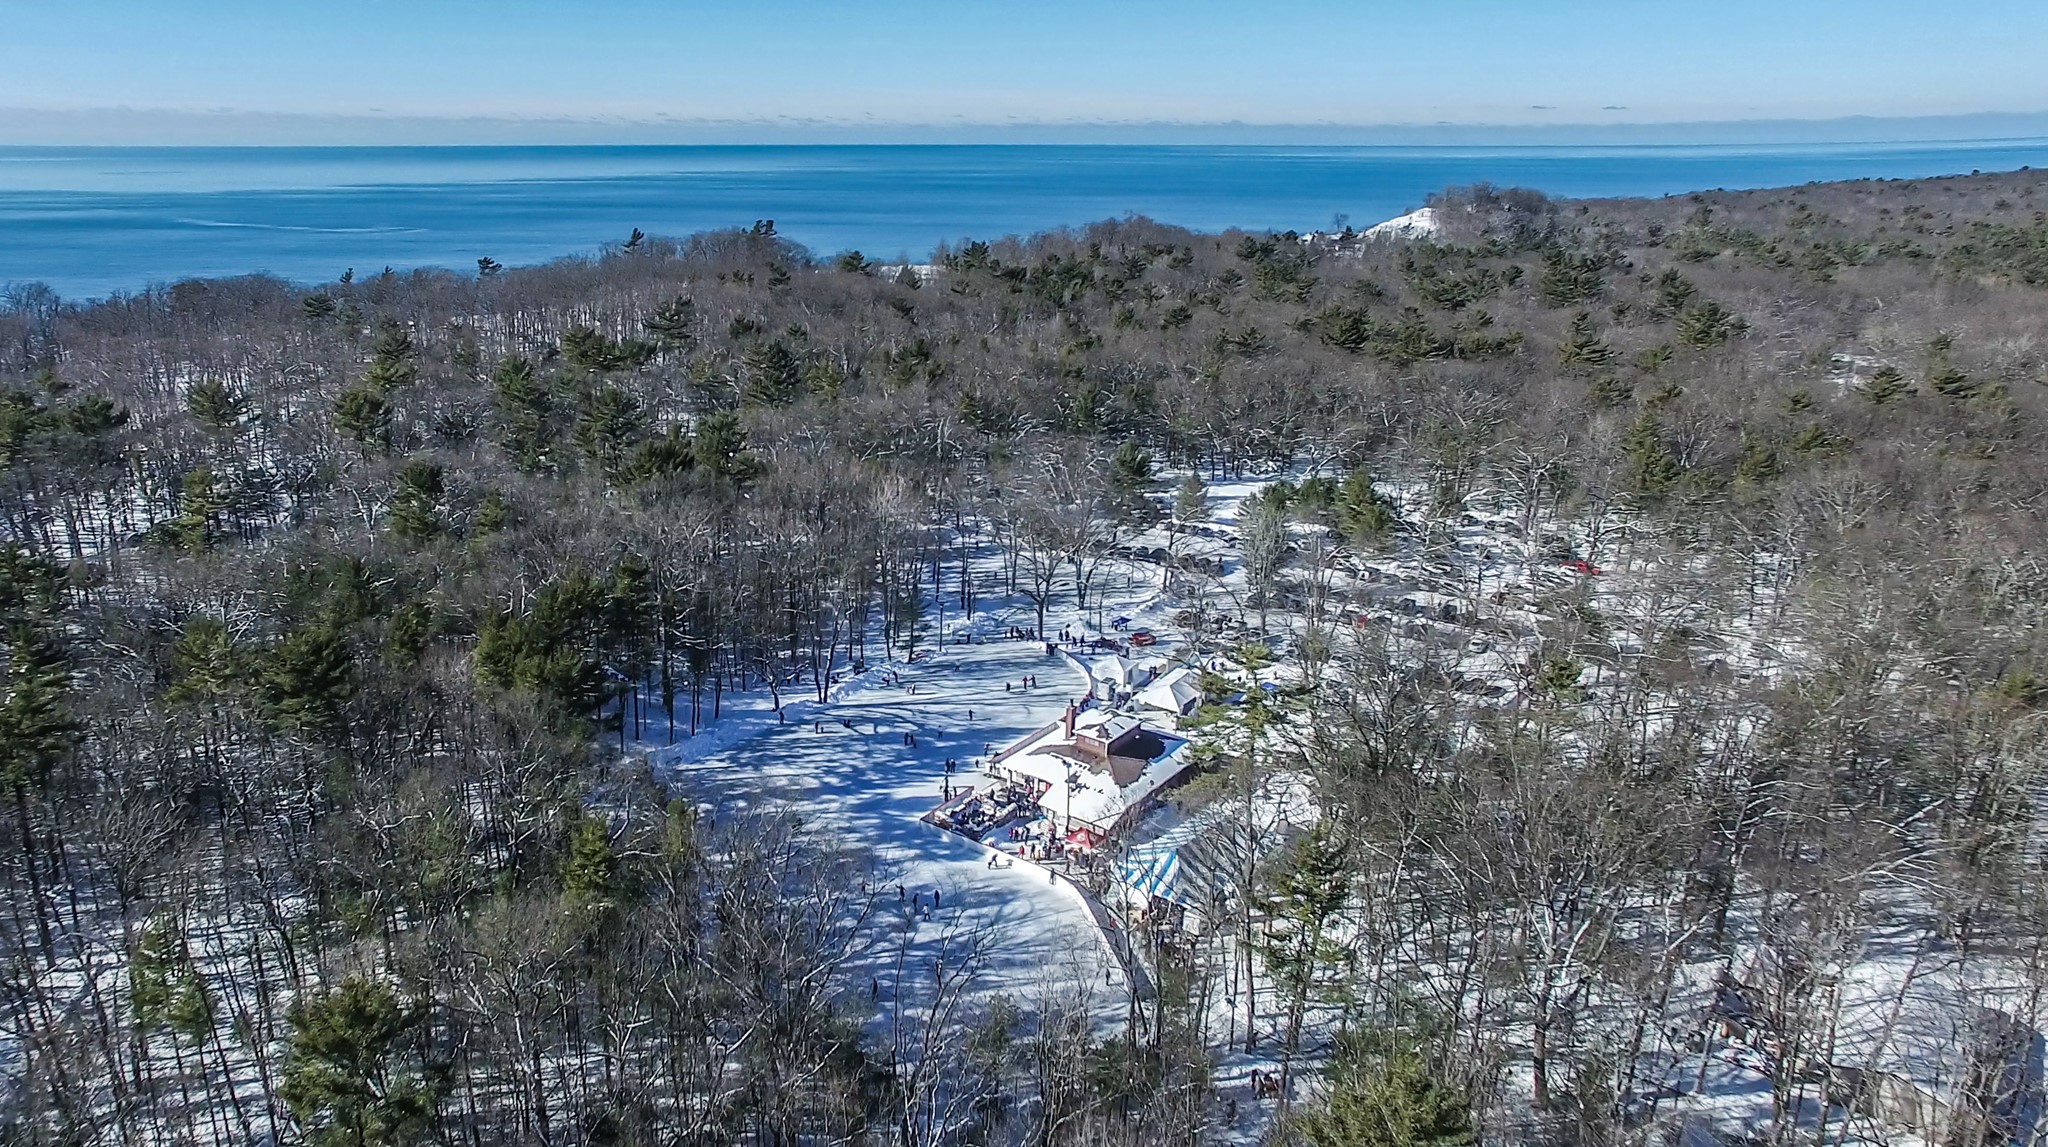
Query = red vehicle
x=1581 y=565
x=1143 y=637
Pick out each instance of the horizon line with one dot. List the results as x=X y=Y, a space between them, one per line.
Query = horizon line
x=126 y=127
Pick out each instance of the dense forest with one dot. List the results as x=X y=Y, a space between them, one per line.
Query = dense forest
x=337 y=619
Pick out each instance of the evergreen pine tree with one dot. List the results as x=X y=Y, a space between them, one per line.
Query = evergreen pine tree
x=201 y=503
x=391 y=359
x=415 y=505
x=406 y=638
x=590 y=867
x=667 y=456
x=773 y=374
x=1674 y=293
x=1317 y=498
x=610 y=425
x=1609 y=390
x=35 y=728
x=1569 y=279
x=673 y=324
x=1757 y=465
x=191 y=1008
x=1383 y=1096
x=152 y=969
x=720 y=447
x=95 y=415
x=206 y=668
x=1652 y=470
x=1557 y=680
x=1582 y=347
x=307 y=681
x=523 y=406
x=1364 y=515
x=1191 y=501
x=1885 y=385
x=1817 y=439
x=1708 y=324
x=363 y=415
x=352 y=1076
x=1132 y=466
x=215 y=405
x=492 y=515
x=1946 y=379
x=1131 y=481
x=823 y=381
x=1307 y=896
x=31 y=587
x=587 y=349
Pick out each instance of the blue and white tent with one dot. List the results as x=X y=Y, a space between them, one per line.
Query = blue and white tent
x=1197 y=862
x=1152 y=872
x=1186 y=864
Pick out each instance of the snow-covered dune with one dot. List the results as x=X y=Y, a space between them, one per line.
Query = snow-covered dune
x=1417 y=224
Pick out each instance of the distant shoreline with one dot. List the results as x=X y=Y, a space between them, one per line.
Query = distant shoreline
x=95 y=221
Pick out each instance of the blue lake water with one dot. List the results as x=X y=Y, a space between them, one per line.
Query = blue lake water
x=89 y=221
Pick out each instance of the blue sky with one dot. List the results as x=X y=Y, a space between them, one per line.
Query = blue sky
x=630 y=62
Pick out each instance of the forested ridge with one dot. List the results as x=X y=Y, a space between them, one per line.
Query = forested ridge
x=333 y=616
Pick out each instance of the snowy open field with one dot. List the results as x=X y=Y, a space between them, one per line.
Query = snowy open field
x=845 y=767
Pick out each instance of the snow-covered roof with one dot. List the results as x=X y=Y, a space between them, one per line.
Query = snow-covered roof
x=1108 y=667
x=1116 y=669
x=1105 y=724
x=1176 y=693
x=1089 y=788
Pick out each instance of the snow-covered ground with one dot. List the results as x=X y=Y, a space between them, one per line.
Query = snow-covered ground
x=846 y=767
x=1481 y=589
x=1417 y=224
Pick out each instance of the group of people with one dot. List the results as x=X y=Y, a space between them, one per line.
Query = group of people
x=1265 y=1084
x=919 y=906
x=1038 y=850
